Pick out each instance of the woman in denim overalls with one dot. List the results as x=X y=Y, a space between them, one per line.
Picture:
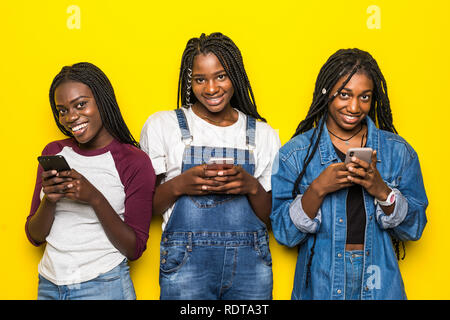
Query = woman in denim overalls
x=215 y=245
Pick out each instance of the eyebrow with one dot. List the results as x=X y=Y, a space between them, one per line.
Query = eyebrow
x=215 y=73
x=73 y=100
x=352 y=90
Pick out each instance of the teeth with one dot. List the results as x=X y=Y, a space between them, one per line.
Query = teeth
x=79 y=127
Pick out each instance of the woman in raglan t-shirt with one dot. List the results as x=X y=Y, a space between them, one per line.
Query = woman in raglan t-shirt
x=96 y=216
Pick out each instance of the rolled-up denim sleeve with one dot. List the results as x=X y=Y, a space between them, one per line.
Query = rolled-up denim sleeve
x=408 y=220
x=284 y=174
x=301 y=220
x=397 y=216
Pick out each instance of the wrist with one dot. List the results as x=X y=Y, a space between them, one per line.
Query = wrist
x=255 y=188
x=383 y=194
x=49 y=201
x=387 y=199
x=96 y=199
x=318 y=192
x=176 y=185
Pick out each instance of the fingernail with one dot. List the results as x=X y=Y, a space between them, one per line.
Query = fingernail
x=220 y=173
x=70 y=186
x=353 y=158
x=204 y=188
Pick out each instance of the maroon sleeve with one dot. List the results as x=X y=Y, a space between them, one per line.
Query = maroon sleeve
x=138 y=177
x=51 y=149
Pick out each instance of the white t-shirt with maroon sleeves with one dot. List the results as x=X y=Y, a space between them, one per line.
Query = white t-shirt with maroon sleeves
x=77 y=248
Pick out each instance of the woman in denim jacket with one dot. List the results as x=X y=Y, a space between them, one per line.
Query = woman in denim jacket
x=345 y=218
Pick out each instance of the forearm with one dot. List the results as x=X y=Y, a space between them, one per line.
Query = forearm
x=166 y=195
x=118 y=232
x=312 y=200
x=261 y=203
x=41 y=222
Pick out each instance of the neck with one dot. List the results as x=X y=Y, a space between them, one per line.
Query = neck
x=227 y=116
x=96 y=143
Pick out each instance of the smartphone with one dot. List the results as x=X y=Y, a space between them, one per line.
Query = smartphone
x=214 y=160
x=364 y=154
x=57 y=163
x=216 y=163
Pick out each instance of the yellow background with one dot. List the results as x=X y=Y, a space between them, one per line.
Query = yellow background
x=138 y=44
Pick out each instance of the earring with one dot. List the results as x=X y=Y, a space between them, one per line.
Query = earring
x=188 y=87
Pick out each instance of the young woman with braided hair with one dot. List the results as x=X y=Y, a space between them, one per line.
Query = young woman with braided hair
x=96 y=216
x=215 y=242
x=345 y=217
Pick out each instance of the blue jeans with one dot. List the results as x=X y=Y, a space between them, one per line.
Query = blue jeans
x=115 y=284
x=354 y=261
x=221 y=265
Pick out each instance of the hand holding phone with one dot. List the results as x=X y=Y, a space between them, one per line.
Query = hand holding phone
x=364 y=154
x=57 y=163
x=54 y=186
x=365 y=173
x=216 y=163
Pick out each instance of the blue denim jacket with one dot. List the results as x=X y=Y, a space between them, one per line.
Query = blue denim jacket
x=399 y=167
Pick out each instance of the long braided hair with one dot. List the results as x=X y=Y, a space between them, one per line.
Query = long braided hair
x=104 y=96
x=343 y=63
x=230 y=57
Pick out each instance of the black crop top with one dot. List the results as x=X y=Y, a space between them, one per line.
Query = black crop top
x=356 y=212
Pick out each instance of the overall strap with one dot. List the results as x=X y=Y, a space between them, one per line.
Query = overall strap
x=251 y=132
x=182 y=123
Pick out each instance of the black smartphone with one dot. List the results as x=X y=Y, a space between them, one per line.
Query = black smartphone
x=57 y=163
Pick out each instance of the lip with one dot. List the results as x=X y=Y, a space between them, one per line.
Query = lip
x=214 y=101
x=79 y=128
x=349 y=119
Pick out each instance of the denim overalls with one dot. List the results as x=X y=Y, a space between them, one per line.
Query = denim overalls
x=214 y=246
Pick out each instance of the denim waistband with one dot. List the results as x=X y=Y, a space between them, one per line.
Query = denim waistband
x=207 y=238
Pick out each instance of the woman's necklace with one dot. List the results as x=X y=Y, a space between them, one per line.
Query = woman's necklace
x=347 y=141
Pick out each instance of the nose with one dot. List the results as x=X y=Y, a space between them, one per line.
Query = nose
x=71 y=115
x=211 y=87
x=353 y=106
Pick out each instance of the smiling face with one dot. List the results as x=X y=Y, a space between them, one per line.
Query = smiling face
x=79 y=114
x=211 y=85
x=351 y=105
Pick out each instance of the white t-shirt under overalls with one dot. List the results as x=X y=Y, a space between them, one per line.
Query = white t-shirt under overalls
x=161 y=140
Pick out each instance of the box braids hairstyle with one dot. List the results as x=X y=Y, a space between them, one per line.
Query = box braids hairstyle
x=104 y=96
x=230 y=57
